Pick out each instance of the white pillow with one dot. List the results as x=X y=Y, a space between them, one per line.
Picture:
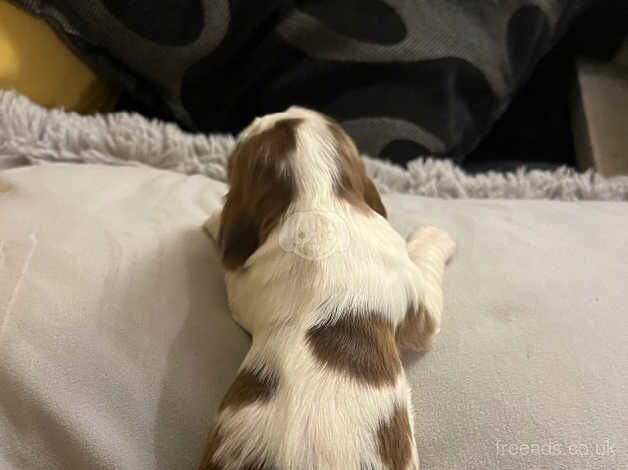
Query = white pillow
x=116 y=345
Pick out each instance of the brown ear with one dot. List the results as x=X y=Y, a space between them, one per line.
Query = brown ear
x=238 y=234
x=248 y=220
x=372 y=198
x=354 y=185
x=261 y=191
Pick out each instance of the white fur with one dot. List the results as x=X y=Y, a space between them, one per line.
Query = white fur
x=315 y=420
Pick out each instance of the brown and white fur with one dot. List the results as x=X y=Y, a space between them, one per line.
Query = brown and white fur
x=322 y=386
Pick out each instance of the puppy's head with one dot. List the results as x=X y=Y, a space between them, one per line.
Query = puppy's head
x=280 y=159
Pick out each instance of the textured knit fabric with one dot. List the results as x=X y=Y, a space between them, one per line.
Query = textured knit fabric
x=30 y=134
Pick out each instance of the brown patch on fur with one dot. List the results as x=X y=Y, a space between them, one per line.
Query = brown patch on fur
x=248 y=387
x=215 y=442
x=354 y=185
x=394 y=439
x=416 y=330
x=262 y=465
x=372 y=197
x=362 y=346
x=260 y=191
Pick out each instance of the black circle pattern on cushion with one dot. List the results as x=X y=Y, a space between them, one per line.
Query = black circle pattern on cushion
x=402 y=151
x=450 y=98
x=365 y=20
x=404 y=76
x=168 y=22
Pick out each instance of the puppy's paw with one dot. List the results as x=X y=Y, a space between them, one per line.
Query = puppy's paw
x=418 y=329
x=427 y=238
x=212 y=225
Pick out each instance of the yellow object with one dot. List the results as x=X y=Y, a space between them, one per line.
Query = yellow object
x=35 y=62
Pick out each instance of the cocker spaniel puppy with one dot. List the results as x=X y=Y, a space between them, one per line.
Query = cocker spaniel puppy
x=329 y=291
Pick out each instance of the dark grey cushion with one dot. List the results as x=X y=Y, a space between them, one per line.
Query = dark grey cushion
x=405 y=78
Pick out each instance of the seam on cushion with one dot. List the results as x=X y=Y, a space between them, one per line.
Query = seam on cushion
x=18 y=283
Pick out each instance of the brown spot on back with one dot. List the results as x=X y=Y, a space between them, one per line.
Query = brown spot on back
x=261 y=188
x=262 y=465
x=249 y=386
x=354 y=185
x=394 y=439
x=362 y=346
x=416 y=330
x=215 y=442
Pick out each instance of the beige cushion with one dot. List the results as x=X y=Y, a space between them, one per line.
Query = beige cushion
x=116 y=345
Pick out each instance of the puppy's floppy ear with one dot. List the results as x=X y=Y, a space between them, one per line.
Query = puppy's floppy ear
x=247 y=221
x=372 y=198
x=238 y=236
x=354 y=185
x=262 y=189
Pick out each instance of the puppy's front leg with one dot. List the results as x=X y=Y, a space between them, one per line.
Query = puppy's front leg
x=212 y=229
x=212 y=225
x=430 y=249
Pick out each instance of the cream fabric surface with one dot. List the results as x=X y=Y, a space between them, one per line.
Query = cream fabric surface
x=116 y=345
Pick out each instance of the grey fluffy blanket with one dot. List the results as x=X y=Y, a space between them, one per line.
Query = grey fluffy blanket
x=30 y=134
